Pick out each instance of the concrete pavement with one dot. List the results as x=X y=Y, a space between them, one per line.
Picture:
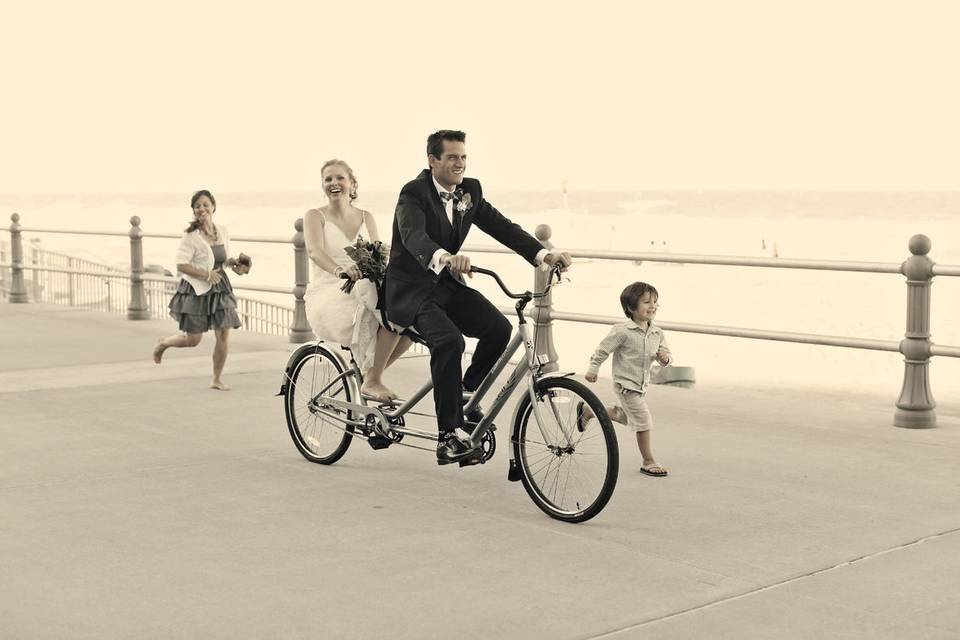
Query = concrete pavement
x=136 y=502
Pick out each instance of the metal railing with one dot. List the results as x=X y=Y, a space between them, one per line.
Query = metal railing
x=63 y=279
x=914 y=408
x=915 y=405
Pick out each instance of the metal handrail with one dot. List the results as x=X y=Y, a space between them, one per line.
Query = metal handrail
x=733 y=261
x=915 y=407
x=739 y=332
x=165 y=236
x=113 y=273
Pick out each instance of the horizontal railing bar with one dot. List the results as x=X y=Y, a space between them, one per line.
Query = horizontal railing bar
x=78 y=232
x=263 y=239
x=681 y=258
x=246 y=287
x=264 y=288
x=152 y=278
x=173 y=236
x=946 y=270
x=938 y=350
x=737 y=332
x=114 y=273
x=734 y=261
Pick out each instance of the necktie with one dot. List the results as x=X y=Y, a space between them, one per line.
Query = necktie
x=456 y=196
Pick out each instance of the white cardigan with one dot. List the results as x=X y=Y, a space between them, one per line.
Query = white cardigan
x=195 y=251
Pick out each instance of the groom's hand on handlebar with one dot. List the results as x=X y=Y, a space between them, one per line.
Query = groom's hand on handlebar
x=561 y=258
x=457 y=264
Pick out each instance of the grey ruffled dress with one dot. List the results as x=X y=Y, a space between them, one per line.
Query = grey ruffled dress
x=215 y=309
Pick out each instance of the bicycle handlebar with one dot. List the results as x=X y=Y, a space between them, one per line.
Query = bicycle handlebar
x=554 y=271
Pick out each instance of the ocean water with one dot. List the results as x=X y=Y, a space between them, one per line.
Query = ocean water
x=869 y=226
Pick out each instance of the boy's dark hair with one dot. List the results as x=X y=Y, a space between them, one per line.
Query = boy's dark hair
x=632 y=294
x=435 y=141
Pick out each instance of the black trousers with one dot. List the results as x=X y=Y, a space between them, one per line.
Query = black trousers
x=454 y=311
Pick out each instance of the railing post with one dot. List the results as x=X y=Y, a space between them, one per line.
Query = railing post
x=18 y=288
x=35 y=261
x=300 y=329
x=543 y=308
x=137 y=309
x=916 y=403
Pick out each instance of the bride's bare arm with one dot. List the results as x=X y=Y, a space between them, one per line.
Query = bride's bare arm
x=371 y=225
x=313 y=238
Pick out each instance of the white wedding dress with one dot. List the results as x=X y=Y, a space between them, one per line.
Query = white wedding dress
x=347 y=319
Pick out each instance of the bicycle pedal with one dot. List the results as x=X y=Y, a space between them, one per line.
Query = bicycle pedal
x=513 y=473
x=377 y=441
x=473 y=458
x=381 y=403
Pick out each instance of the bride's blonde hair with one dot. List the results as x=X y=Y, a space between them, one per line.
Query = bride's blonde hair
x=353 y=178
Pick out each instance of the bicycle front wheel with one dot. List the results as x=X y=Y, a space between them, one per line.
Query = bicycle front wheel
x=568 y=472
x=318 y=437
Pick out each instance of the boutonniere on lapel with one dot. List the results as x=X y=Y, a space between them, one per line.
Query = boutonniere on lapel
x=464 y=204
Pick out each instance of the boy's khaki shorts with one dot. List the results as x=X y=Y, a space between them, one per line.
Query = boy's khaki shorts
x=634 y=406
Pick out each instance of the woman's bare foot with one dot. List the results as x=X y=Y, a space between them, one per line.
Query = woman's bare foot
x=378 y=391
x=158 y=351
x=651 y=468
x=219 y=385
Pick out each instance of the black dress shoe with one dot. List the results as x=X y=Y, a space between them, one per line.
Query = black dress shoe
x=450 y=448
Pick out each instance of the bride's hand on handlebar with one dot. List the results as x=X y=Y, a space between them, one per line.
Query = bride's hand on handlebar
x=458 y=264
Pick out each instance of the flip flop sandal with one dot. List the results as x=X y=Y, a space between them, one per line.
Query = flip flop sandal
x=661 y=472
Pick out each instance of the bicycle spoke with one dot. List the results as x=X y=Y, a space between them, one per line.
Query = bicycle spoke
x=319 y=437
x=572 y=475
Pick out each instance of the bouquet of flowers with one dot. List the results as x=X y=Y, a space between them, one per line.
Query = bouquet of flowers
x=371 y=259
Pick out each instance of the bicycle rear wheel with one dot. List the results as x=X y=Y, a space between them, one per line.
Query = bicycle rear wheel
x=319 y=438
x=570 y=474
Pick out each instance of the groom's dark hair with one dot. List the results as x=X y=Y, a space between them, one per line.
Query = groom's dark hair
x=435 y=140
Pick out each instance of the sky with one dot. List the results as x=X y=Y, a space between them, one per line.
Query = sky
x=163 y=97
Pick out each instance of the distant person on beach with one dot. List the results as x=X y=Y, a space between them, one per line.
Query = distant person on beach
x=204 y=299
x=425 y=288
x=635 y=345
x=352 y=318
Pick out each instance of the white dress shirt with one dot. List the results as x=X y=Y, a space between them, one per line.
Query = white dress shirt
x=435 y=265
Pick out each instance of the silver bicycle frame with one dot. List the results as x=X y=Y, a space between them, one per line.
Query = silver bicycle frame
x=530 y=364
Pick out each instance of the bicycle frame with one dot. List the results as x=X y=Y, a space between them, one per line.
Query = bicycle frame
x=380 y=417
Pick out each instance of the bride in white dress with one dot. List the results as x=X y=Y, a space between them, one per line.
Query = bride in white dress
x=349 y=319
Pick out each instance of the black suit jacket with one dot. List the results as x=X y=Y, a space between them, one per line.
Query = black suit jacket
x=421 y=227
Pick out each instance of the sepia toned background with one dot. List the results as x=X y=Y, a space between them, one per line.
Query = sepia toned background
x=826 y=130
x=130 y=97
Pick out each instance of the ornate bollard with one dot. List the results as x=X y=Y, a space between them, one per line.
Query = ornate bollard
x=543 y=307
x=138 y=308
x=18 y=288
x=916 y=403
x=300 y=329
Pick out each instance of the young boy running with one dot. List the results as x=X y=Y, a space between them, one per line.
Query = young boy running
x=635 y=345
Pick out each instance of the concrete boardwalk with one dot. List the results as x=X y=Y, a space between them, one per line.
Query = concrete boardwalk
x=137 y=503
